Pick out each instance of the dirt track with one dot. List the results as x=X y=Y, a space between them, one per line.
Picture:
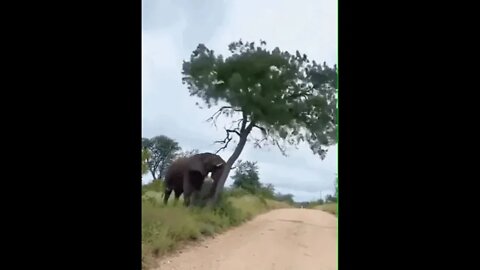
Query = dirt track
x=281 y=239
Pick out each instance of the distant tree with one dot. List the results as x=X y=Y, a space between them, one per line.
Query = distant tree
x=267 y=191
x=284 y=198
x=287 y=98
x=330 y=199
x=246 y=176
x=162 y=151
x=145 y=158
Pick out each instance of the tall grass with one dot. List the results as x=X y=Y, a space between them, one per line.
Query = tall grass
x=164 y=228
x=328 y=207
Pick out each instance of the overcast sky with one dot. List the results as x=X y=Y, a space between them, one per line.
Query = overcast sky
x=171 y=30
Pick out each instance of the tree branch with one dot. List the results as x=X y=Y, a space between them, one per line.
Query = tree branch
x=214 y=117
x=227 y=139
x=257 y=142
x=239 y=122
x=244 y=129
x=264 y=131
x=234 y=131
x=282 y=150
x=244 y=122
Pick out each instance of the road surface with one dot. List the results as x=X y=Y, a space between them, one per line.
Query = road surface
x=278 y=240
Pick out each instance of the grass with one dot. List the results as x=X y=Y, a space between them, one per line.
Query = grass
x=328 y=207
x=165 y=228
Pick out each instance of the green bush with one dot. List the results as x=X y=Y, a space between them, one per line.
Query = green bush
x=156 y=185
x=235 y=192
x=225 y=209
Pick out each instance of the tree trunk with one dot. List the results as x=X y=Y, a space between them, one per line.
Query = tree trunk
x=153 y=174
x=230 y=162
x=160 y=173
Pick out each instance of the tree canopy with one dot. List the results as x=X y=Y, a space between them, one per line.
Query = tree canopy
x=246 y=176
x=162 y=151
x=289 y=98
x=285 y=95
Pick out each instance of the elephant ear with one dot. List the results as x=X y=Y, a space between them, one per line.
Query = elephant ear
x=196 y=164
x=215 y=161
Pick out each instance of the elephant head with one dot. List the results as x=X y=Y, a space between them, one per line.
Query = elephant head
x=206 y=163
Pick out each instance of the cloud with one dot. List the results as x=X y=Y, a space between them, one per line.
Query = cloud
x=309 y=26
x=172 y=29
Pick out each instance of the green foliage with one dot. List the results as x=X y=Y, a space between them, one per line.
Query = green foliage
x=330 y=199
x=267 y=191
x=156 y=185
x=246 y=176
x=329 y=207
x=288 y=198
x=162 y=151
x=165 y=227
x=225 y=209
x=235 y=192
x=246 y=180
x=287 y=97
x=336 y=187
x=145 y=158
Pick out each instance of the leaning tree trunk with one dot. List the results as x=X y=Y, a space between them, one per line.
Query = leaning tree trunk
x=230 y=162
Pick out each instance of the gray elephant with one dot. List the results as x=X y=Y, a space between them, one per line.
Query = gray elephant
x=186 y=175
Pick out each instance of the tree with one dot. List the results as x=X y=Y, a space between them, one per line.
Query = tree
x=145 y=158
x=330 y=199
x=267 y=191
x=246 y=176
x=284 y=198
x=162 y=152
x=283 y=95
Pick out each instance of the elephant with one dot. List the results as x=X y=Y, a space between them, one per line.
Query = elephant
x=187 y=174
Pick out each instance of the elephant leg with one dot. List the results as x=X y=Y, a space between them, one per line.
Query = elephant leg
x=186 y=198
x=168 y=191
x=192 y=182
x=195 y=197
x=187 y=191
x=177 y=196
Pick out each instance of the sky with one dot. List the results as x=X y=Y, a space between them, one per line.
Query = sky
x=172 y=29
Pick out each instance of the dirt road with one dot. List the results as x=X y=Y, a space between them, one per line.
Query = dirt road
x=281 y=239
